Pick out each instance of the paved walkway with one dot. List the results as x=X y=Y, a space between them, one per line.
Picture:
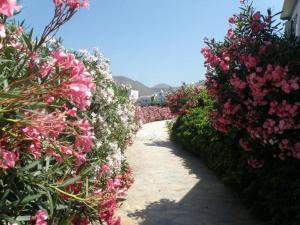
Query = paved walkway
x=172 y=187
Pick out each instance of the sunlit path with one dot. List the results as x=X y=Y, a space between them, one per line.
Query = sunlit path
x=174 y=188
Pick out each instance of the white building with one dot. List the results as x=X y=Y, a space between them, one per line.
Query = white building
x=159 y=98
x=291 y=13
x=144 y=100
x=134 y=95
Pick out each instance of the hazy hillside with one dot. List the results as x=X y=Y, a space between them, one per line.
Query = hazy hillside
x=162 y=86
x=135 y=85
x=143 y=89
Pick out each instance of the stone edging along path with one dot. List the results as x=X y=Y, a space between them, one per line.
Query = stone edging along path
x=172 y=187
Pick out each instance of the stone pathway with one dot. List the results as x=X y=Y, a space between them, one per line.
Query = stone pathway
x=172 y=187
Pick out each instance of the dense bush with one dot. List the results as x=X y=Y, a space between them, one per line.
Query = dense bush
x=254 y=77
x=248 y=130
x=63 y=128
x=184 y=98
x=149 y=114
x=271 y=192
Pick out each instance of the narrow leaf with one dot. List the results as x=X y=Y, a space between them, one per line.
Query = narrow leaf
x=30 y=198
x=70 y=181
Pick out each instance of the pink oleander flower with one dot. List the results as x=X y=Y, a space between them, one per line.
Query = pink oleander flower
x=67 y=150
x=81 y=221
x=84 y=140
x=230 y=33
x=8 y=7
x=8 y=159
x=20 y=30
x=79 y=85
x=40 y=217
x=232 y=19
x=114 y=221
x=256 y=16
x=106 y=211
x=245 y=144
x=250 y=61
x=105 y=168
x=58 y=2
x=49 y=99
x=45 y=69
x=49 y=125
x=238 y=83
x=72 y=112
x=80 y=158
x=296 y=150
x=255 y=163
x=224 y=66
x=33 y=135
x=230 y=109
x=74 y=4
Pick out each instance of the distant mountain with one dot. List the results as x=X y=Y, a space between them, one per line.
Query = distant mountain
x=135 y=85
x=143 y=89
x=162 y=86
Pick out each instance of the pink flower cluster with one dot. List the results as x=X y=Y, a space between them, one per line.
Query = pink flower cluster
x=74 y=4
x=149 y=114
x=47 y=127
x=183 y=98
x=115 y=187
x=7 y=158
x=8 y=7
x=79 y=84
x=40 y=217
x=257 y=94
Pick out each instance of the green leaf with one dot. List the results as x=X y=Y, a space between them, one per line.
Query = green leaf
x=70 y=181
x=8 y=120
x=30 y=198
x=86 y=171
x=5 y=194
x=61 y=207
x=23 y=218
x=27 y=40
x=30 y=166
x=47 y=163
x=8 y=95
x=51 y=206
x=5 y=60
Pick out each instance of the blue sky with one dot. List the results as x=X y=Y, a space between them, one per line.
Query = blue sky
x=152 y=41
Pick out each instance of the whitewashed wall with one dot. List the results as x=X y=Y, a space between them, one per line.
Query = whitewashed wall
x=296 y=15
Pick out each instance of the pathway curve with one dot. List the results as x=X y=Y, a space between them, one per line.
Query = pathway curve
x=172 y=187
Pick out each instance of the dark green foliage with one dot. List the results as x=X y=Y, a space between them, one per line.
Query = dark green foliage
x=271 y=192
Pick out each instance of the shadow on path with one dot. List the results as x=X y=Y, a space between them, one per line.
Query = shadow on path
x=207 y=203
x=192 y=163
x=173 y=187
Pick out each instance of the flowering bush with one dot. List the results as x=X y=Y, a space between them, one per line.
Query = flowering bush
x=55 y=165
x=181 y=100
x=149 y=114
x=254 y=78
x=272 y=192
x=112 y=111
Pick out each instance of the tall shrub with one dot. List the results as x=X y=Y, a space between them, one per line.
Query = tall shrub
x=254 y=77
x=51 y=171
